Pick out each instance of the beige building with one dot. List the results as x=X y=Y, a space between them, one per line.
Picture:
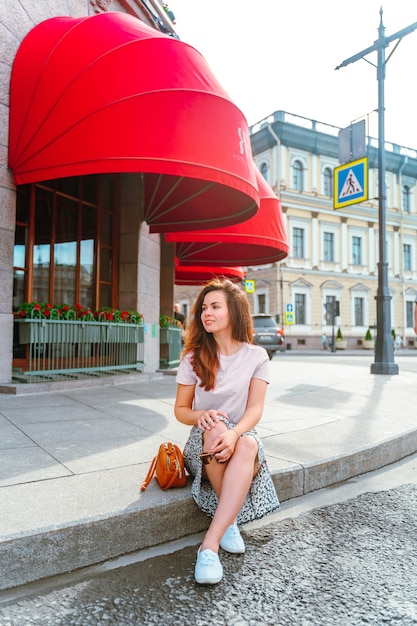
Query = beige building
x=333 y=254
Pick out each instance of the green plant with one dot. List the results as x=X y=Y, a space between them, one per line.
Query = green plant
x=166 y=321
x=368 y=336
x=47 y=310
x=339 y=335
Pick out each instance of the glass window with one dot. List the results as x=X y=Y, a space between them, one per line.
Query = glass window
x=409 y=311
x=356 y=250
x=359 y=312
x=298 y=243
x=261 y=303
x=328 y=241
x=328 y=182
x=330 y=309
x=62 y=217
x=407 y=257
x=406 y=198
x=265 y=171
x=300 y=308
x=298 y=176
x=19 y=252
x=65 y=251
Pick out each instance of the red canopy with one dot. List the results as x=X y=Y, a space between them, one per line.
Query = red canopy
x=195 y=275
x=107 y=93
x=261 y=239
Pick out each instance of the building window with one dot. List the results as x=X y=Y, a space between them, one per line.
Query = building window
x=300 y=308
x=331 y=311
x=328 y=241
x=356 y=251
x=265 y=171
x=359 y=312
x=406 y=198
x=298 y=176
x=261 y=308
x=328 y=182
x=409 y=313
x=65 y=245
x=407 y=257
x=298 y=243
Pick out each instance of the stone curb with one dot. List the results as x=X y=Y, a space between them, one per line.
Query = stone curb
x=161 y=517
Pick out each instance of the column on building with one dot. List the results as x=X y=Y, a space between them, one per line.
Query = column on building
x=397 y=251
x=371 y=248
x=315 y=241
x=344 y=244
x=139 y=266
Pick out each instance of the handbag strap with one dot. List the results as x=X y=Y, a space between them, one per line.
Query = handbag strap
x=173 y=478
x=150 y=473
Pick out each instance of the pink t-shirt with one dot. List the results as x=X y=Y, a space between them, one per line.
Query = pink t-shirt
x=231 y=391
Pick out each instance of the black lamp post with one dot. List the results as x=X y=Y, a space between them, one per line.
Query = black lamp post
x=384 y=351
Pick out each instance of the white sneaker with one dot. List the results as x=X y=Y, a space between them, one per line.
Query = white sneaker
x=208 y=569
x=232 y=540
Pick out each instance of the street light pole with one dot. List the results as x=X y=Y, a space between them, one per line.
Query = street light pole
x=384 y=351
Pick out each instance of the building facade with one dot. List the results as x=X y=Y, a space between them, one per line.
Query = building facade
x=333 y=254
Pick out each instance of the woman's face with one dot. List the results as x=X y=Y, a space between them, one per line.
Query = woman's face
x=215 y=313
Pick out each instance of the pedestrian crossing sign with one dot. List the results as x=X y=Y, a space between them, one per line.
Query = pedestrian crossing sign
x=289 y=317
x=250 y=286
x=351 y=183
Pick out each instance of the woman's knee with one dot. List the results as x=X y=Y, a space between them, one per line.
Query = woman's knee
x=210 y=435
x=247 y=445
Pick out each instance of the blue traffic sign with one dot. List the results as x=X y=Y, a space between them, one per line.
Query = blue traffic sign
x=351 y=183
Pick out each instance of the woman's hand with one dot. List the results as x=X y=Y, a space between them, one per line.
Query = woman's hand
x=224 y=445
x=209 y=419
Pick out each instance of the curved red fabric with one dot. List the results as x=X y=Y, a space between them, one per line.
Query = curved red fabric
x=107 y=93
x=261 y=239
x=197 y=275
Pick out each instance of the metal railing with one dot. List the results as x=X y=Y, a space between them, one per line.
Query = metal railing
x=59 y=349
x=170 y=347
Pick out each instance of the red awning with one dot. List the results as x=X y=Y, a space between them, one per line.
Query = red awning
x=261 y=239
x=107 y=93
x=195 y=275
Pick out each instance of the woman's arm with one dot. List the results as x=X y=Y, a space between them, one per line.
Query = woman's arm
x=183 y=405
x=205 y=420
x=254 y=406
x=226 y=442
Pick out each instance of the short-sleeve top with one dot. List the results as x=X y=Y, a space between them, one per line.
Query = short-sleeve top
x=231 y=390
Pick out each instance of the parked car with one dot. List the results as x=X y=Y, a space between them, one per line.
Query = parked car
x=268 y=334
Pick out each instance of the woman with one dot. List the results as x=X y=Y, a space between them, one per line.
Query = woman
x=222 y=381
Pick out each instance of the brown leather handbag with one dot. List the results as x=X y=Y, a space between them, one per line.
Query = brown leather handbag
x=168 y=467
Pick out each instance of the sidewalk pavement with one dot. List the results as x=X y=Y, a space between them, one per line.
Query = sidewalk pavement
x=72 y=458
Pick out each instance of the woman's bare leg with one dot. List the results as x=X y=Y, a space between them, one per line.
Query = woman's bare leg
x=231 y=482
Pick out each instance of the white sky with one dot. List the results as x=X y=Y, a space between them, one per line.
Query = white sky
x=274 y=55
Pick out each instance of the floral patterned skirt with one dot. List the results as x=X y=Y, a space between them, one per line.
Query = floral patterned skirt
x=261 y=498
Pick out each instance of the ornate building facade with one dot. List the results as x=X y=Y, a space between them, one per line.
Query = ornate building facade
x=333 y=254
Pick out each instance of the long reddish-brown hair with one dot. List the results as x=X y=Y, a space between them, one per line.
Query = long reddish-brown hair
x=203 y=344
